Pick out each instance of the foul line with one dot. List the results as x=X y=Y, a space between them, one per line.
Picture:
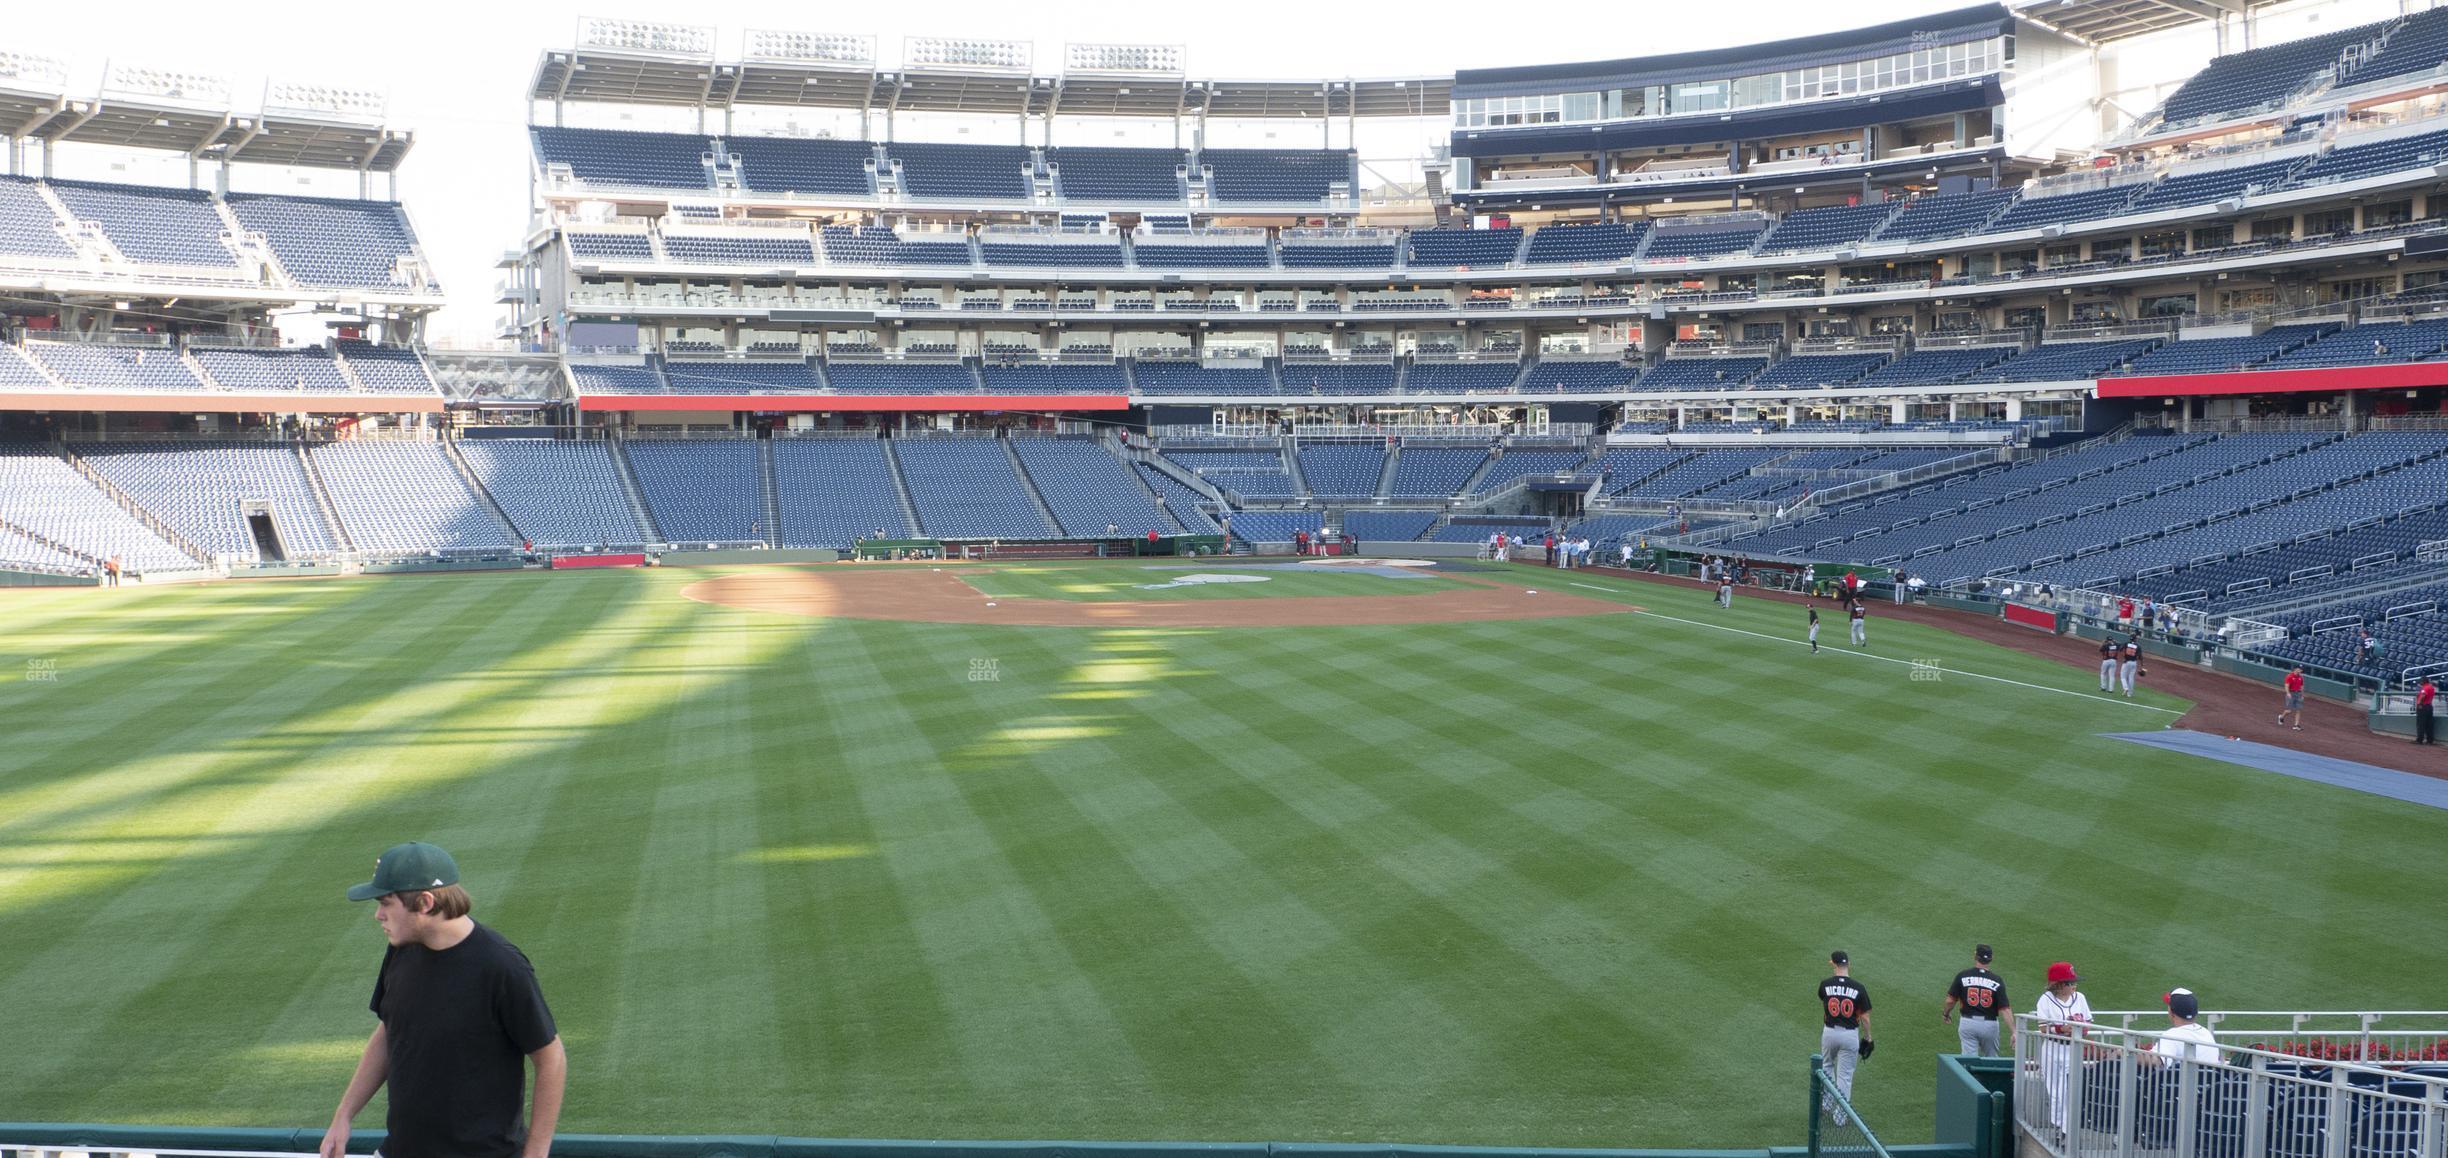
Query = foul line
x=1887 y=659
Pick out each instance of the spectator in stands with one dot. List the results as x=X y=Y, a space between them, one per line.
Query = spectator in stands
x=2064 y=1015
x=2367 y=649
x=2125 y=613
x=2150 y=612
x=460 y=1015
x=2187 y=1039
x=2422 y=711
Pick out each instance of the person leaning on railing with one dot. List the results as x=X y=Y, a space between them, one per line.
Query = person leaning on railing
x=2186 y=1039
x=461 y=1017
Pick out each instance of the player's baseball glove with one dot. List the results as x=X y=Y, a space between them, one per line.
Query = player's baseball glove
x=1868 y=1048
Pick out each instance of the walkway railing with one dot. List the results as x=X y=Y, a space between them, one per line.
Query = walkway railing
x=2109 y=1090
x=1837 y=1129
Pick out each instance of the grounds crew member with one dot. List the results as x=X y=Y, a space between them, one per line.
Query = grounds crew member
x=461 y=1015
x=1982 y=995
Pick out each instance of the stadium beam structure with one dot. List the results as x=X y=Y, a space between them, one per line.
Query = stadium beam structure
x=2099 y=22
x=829 y=70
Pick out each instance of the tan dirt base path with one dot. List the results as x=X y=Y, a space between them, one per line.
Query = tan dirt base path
x=940 y=597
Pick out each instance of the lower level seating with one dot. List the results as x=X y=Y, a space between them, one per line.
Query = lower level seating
x=557 y=492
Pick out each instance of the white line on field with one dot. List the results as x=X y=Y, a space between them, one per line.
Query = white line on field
x=1884 y=658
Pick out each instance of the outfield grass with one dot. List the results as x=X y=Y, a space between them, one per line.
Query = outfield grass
x=1117 y=581
x=1552 y=882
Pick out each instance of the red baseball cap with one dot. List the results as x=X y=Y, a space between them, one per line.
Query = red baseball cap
x=2061 y=971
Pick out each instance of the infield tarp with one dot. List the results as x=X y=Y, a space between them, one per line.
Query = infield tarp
x=2406 y=786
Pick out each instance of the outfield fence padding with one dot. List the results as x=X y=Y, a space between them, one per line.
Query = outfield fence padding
x=19 y=1140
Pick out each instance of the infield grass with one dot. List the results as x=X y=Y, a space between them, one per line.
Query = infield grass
x=1556 y=882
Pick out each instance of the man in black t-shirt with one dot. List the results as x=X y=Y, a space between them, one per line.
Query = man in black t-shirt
x=1982 y=995
x=461 y=1015
x=1844 y=1035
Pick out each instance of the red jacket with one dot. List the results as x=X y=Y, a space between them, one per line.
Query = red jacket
x=2422 y=696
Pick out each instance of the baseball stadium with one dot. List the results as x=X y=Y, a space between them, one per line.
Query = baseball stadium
x=1873 y=594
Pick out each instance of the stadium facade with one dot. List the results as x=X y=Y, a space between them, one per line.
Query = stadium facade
x=1915 y=295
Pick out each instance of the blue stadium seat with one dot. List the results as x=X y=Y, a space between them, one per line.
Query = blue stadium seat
x=625 y=156
x=834 y=491
x=1464 y=248
x=29 y=227
x=702 y=491
x=1121 y=175
x=1089 y=489
x=1667 y=244
x=1435 y=472
x=1940 y=216
x=804 y=165
x=966 y=488
x=1825 y=227
x=334 y=243
x=1584 y=243
x=558 y=492
x=962 y=172
x=1337 y=470
x=403 y=498
x=199 y=488
x=1276 y=176
x=160 y=226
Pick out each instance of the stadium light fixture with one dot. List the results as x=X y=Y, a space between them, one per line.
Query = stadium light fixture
x=655 y=36
x=821 y=47
x=165 y=84
x=1147 y=58
x=325 y=100
x=33 y=70
x=964 y=52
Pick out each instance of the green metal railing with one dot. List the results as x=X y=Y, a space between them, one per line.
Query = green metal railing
x=1836 y=1128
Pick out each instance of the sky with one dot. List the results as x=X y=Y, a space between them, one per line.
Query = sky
x=456 y=72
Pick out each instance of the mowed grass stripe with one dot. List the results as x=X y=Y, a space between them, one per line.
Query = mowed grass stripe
x=1403 y=881
x=215 y=682
x=1541 y=896
x=1142 y=882
x=155 y=929
x=543 y=714
x=690 y=947
x=1542 y=884
x=1008 y=985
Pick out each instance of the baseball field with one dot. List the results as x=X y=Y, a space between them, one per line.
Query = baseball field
x=849 y=853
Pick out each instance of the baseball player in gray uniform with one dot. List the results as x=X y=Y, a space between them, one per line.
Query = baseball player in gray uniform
x=1844 y=1034
x=1982 y=995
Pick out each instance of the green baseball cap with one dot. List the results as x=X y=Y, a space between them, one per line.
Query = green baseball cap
x=405 y=868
